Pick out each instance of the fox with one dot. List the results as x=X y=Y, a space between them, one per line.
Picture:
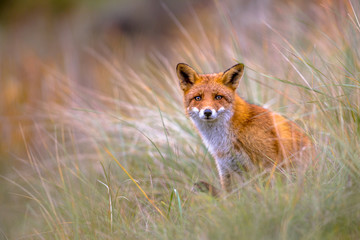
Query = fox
x=239 y=135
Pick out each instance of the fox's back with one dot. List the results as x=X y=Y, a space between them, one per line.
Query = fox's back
x=266 y=136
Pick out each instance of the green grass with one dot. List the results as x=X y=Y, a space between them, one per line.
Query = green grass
x=70 y=187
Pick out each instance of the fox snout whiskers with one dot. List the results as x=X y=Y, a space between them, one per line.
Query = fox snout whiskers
x=208 y=113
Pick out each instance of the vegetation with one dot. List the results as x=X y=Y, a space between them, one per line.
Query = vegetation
x=117 y=160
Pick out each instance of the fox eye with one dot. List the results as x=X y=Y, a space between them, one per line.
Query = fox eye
x=218 y=97
x=197 y=98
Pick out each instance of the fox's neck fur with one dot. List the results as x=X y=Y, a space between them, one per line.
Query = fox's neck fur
x=216 y=135
x=219 y=138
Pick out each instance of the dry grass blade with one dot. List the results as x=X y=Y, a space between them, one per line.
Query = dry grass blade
x=132 y=179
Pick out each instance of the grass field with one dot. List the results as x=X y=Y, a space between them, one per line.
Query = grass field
x=110 y=154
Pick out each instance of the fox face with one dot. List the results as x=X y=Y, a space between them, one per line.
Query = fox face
x=208 y=101
x=209 y=97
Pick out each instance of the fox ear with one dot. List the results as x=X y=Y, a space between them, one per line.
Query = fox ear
x=232 y=76
x=187 y=76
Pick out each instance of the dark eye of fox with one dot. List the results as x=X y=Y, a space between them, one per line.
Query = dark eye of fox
x=197 y=98
x=218 y=97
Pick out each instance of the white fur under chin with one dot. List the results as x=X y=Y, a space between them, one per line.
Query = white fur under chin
x=214 y=132
x=217 y=137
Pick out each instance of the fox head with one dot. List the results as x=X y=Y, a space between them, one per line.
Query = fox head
x=209 y=97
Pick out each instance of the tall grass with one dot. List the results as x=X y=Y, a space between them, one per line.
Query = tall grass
x=122 y=164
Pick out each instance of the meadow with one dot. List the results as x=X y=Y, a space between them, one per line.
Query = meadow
x=96 y=144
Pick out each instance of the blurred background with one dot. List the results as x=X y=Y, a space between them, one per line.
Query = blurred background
x=115 y=55
x=39 y=36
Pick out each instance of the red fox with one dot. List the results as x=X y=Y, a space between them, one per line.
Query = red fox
x=239 y=135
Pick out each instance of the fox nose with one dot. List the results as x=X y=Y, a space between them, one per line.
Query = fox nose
x=207 y=112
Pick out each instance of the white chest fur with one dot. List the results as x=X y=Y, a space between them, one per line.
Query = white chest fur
x=215 y=135
x=218 y=138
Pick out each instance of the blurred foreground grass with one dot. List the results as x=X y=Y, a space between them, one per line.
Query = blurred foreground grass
x=115 y=95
